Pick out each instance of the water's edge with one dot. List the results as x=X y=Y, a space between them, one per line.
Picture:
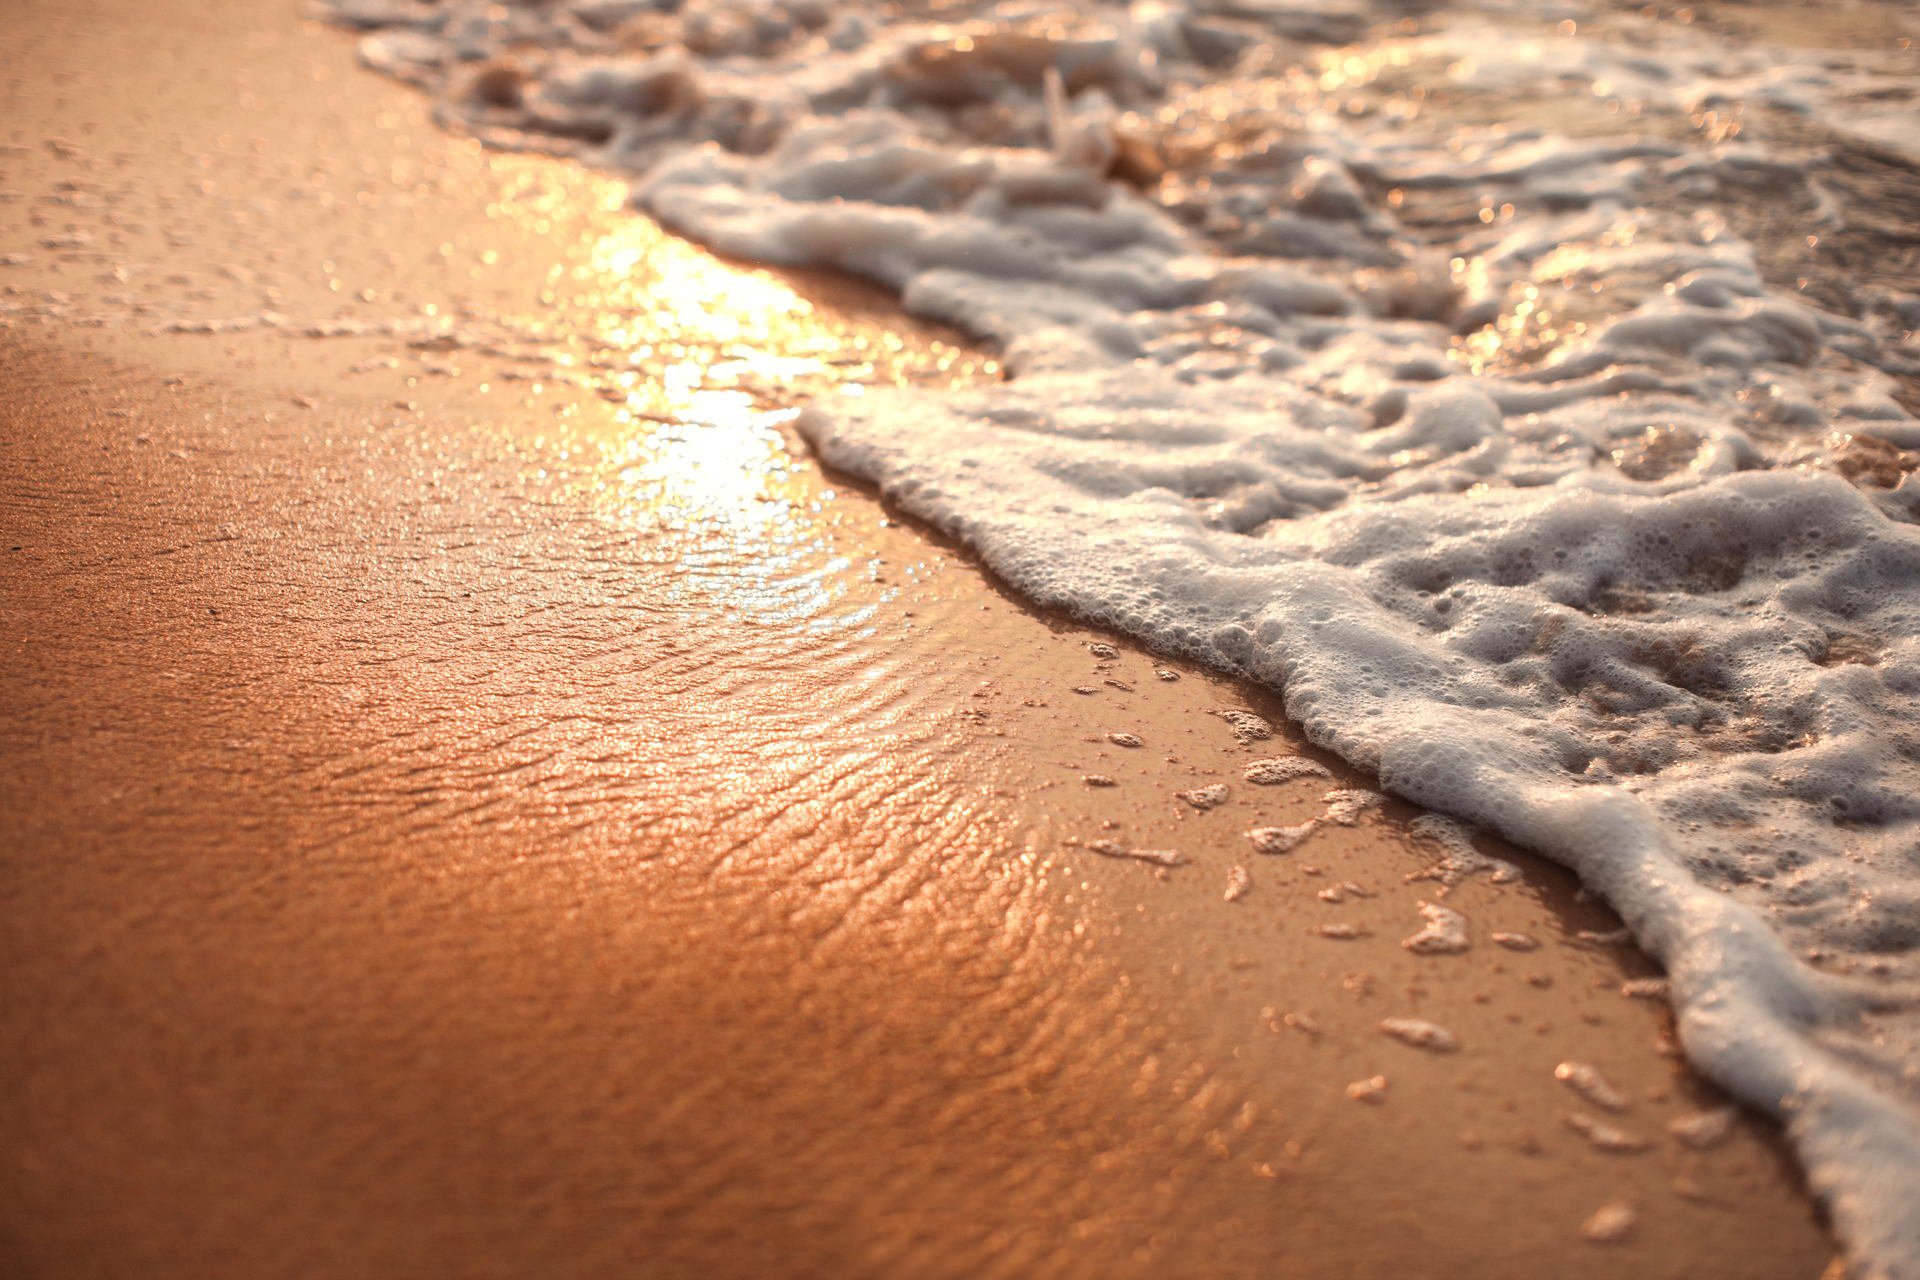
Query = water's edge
x=1496 y=449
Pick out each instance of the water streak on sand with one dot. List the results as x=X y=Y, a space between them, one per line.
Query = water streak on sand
x=1507 y=450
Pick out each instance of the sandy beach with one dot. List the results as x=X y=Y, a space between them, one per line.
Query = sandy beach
x=451 y=823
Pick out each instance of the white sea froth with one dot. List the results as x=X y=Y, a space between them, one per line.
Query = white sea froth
x=1488 y=444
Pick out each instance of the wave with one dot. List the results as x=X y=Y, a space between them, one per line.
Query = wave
x=1475 y=377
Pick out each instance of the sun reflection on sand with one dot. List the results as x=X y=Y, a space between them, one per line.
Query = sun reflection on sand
x=722 y=464
x=728 y=304
x=694 y=368
x=726 y=484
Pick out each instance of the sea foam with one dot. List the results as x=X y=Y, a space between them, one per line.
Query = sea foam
x=1441 y=371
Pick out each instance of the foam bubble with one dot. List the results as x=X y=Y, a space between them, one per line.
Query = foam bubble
x=1603 y=1136
x=1204 y=798
x=1277 y=840
x=1420 y=1034
x=1702 y=1129
x=1157 y=857
x=1587 y=1080
x=1445 y=932
x=1273 y=772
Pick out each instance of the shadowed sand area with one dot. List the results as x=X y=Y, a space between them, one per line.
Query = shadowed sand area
x=475 y=800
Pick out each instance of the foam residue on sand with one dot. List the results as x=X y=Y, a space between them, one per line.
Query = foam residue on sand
x=1427 y=367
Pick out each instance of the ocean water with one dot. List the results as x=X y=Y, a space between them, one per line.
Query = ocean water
x=1521 y=388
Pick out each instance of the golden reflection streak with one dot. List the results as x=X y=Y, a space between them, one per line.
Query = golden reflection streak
x=700 y=363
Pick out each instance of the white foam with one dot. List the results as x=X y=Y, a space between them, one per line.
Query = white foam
x=1445 y=932
x=1421 y=1034
x=1276 y=840
x=1207 y=797
x=1282 y=769
x=1156 y=857
x=1587 y=1080
x=1541 y=504
x=1604 y=1136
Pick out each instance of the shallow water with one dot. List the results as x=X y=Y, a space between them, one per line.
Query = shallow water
x=1475 y=375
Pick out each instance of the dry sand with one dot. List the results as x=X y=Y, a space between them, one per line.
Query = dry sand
x=457 y=819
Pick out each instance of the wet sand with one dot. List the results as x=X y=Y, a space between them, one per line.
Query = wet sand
x=476 y=800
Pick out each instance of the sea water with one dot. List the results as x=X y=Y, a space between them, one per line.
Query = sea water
x=1475 y=375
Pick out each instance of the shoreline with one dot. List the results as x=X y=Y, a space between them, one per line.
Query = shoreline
x=825 y=784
